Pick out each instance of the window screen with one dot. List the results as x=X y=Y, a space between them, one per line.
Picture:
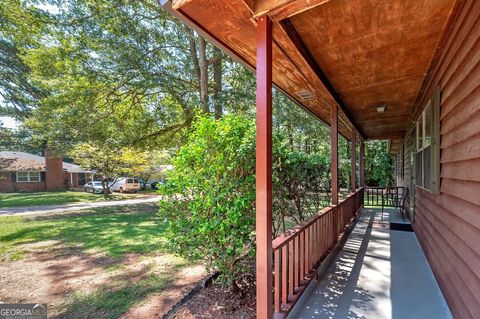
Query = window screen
x=418 y=169
x=427 y=156
x=426 y=167
x=34 y=176
x=22 y=176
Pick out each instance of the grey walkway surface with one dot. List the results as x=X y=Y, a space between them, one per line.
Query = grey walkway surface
x=31 y=210
x=379 y=273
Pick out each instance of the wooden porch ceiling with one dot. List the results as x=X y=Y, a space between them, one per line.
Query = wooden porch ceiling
x=357 y=54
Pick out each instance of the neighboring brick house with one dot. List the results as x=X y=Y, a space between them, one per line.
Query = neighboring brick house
x=26 y=172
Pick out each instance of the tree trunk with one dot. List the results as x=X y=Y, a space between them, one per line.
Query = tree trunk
x=203 y=64
x=290 y=135
x=105 y=188
x=217 y=82
x=200 y=66
x=194 y=55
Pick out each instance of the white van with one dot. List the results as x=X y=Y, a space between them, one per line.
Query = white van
x=126 y=184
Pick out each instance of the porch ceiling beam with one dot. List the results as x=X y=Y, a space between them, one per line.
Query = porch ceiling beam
x=303 y=50
x=278 y=10
x=387 y=136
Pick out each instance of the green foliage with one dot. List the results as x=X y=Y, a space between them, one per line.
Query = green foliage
x=109 y=68
x=344 y=162
x=211 y=194
x=108 y=161
x=301 y=186
x=18 y=26
x=19 y=140
x=379 y=168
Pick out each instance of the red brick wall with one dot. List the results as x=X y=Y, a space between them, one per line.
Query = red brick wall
x=7 y=185
x=30 y=187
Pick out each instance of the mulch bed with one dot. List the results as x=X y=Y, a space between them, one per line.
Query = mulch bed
x=219 y=303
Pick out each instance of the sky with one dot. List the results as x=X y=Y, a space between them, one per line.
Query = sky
x=8 y=122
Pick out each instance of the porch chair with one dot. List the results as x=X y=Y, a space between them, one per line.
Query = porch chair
x=396 y=199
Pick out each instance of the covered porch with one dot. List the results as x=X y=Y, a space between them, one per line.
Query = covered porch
x=370 y=70
x=380 y=272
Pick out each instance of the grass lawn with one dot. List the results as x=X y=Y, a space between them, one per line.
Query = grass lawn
x=8 y=200
x=117 y=254
x=114 y=231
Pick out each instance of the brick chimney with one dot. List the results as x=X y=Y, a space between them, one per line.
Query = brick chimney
x=54 y=177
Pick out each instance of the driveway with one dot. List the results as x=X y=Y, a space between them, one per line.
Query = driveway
x=30 y=210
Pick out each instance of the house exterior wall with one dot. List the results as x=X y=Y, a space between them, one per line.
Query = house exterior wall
x=448 y=223
x=8 y=185
x=53 y=175
x=72 y=180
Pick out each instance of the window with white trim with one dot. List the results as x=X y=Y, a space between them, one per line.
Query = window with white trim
x=23 y=177
x=427 y=155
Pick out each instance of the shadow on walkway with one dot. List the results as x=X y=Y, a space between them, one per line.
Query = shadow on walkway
x=379 y=273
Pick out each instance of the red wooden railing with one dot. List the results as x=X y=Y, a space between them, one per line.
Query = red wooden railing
x=299 y=252
x=375 y=195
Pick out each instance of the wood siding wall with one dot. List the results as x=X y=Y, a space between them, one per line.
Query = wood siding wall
x=448 y=224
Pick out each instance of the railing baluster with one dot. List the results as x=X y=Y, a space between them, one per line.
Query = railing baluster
x=291 y=272
x=317 y=243
x=297 y=261
x=324 y=233
x=307 y=252
x=277 y=287
x=314 y=246
x=302 y=256
x=374 y=196
x=284 y=274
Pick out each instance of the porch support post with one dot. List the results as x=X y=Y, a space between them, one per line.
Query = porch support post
x=353 y=186
x=334 y=152
x=362 y=163
x=264 y=169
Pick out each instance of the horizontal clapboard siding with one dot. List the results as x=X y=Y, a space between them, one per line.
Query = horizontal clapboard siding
x=448 y=224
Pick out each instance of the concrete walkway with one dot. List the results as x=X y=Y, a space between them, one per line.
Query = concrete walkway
x=31 y=210
x=379 y=273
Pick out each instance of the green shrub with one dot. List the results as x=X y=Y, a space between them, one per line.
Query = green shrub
x=301 y=186
x=211 y=193
x=209 y=201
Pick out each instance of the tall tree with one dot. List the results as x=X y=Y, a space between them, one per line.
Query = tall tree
x=127 y=68
x=19 y=25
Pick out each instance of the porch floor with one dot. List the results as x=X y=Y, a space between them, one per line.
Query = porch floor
x=379 y=273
